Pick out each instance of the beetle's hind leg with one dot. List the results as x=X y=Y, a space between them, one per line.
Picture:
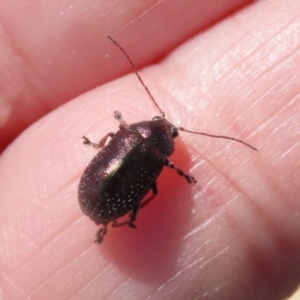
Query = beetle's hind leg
x=189 y=178
x=135 y=210
x=129 y=222
x=101 y=233
x=155 y=192
x=102 y=142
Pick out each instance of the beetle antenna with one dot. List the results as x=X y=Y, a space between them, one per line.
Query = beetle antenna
x=137 y=74
x=219 y=137
x=160 y=110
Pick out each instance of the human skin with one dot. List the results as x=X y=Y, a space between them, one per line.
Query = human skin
x=234 y=234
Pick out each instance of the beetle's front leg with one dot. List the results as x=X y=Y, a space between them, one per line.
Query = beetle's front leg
x=189 y=178
x=102 y=142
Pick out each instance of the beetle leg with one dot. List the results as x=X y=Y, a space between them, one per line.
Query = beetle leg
x=155 y=191
x=133 y=214
x=102 y=142
x=118 y=116
x=101 y=233
x=129 y=222
x=136 y=209
x=189 y=178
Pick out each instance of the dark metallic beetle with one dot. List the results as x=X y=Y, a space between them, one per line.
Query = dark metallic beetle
x=122 y=173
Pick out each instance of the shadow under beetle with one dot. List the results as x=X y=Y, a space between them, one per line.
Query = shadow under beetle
x=122 y=173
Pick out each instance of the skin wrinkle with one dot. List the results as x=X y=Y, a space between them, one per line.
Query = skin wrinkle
x=189 y=253
x=54 y=271
x=269 y=177
x=157 y=88
x=90 y=282
x=21 y=233
x=254 y=203
x=224 y=132
x=9 y=273
x=220 y=287
x=205 y=224
x=56 y=234
x=15 y=283
x=278 y=237
x=226 y=176
x=286 y=9
x=9 y=291
x=285 y=153
x=279 y=62
x=212 y=63
x=29 y=80
x=262 y=260
x=210 y=219
x=75 y=218
x=115 y=292
x=23 y=60
x=228 y=57
x=22 y=155
x=275 y=113
x=5 y=239
x=250 y=54
x=268 y=120
x=282 y=30
x=273 y=178
x=40 y=287
x=271 y=117
x=195 y=262
x=138 y=16
x=209 y=161
x=72 y=181
x=140 y=94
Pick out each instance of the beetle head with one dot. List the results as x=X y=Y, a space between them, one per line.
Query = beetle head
x=160 y=132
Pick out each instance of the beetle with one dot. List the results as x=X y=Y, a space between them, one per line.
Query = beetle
x=126 y=168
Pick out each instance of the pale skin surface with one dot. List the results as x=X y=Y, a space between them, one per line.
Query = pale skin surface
x=233 y=235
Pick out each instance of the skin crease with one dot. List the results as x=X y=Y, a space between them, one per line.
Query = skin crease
x=233 y=235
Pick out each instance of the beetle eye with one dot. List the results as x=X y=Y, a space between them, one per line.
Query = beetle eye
x=156 y=118
x=174 y=132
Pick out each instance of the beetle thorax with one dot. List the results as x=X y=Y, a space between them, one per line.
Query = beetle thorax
x=160 y=132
